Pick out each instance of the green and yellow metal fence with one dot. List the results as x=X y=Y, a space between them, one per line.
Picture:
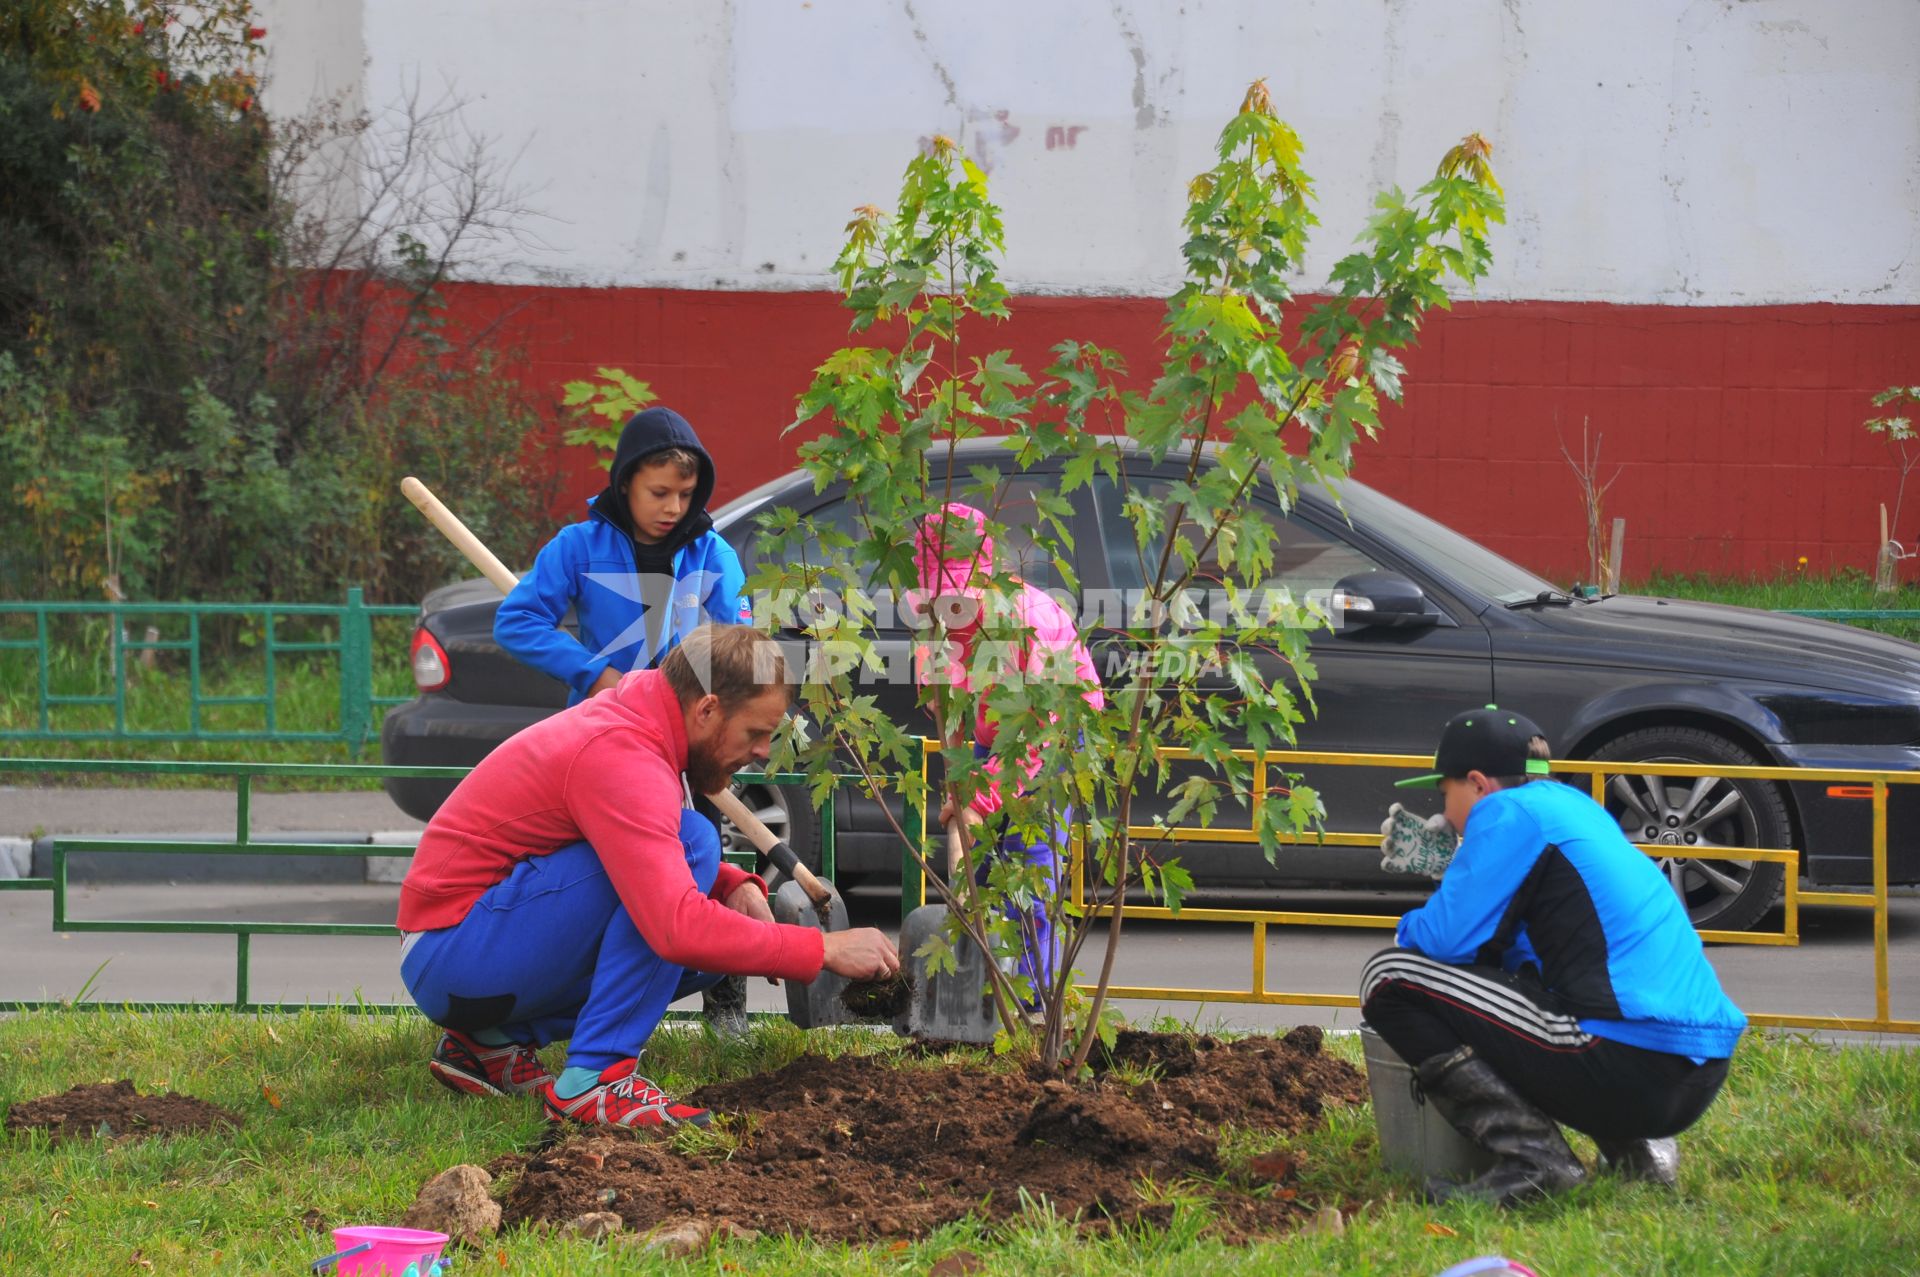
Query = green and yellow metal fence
x=243 y=776
x=1260 y=920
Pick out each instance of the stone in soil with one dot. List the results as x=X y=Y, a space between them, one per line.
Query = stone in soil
x=868 y=1147
x=116 y=1110
x=459 y=1203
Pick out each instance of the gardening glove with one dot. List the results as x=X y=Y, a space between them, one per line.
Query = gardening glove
x=1415 y=846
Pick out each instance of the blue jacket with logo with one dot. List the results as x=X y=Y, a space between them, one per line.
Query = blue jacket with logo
x=608 y=579
x=589 y=567
x=1544 y=875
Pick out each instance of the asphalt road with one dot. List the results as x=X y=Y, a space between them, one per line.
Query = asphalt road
x=28 y=812
x=1829 y=972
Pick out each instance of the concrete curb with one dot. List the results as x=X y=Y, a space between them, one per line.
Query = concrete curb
x=20 y=858
x=391 y=869
x=16 y=857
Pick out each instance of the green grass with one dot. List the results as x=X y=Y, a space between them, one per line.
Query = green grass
x=1808 y=1164
x=1848 y=589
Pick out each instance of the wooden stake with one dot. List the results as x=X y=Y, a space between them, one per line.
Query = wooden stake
x=1883 y=558
x=1612 y=583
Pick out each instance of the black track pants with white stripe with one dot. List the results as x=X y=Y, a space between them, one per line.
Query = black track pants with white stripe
x=1609 y=1090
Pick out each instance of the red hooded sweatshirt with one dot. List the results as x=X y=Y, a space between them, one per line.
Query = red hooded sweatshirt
x=606 y=771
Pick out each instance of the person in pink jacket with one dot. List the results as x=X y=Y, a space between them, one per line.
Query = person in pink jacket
x=952 y=556
x=562 y=891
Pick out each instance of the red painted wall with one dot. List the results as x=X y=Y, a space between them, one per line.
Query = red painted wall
x=1735 y=431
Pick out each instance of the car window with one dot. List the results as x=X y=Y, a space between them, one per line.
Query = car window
x=1015 y=550
x=1442 y=549
x=842 y=517
x=1305 y=559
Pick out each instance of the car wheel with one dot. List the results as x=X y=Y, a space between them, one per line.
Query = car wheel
x=786 y=811
x=1706 y=811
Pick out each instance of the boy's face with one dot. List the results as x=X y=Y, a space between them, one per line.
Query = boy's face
x=658 y=496
x=1461 y=794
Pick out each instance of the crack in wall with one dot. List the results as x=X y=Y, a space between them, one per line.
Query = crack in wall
x=733 y=200
x=1386 y=150
x=1144 y=116
x=926 y=47
x=1683 y=99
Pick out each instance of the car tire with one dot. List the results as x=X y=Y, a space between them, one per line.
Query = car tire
x=1719 y=895
x=784 y=809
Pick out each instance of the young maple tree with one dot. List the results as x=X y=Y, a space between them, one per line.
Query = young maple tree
x=1239 y=402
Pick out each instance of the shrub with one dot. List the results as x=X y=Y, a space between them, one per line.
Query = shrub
x=214 y=371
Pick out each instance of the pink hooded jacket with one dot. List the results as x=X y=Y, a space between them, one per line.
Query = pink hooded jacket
x=1054 y=651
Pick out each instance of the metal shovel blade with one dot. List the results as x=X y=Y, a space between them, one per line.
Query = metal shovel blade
x=817 y=1004
x=947 y=1007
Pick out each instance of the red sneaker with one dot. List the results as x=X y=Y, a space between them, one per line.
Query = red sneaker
x=622 y=1098
x=473 y=1068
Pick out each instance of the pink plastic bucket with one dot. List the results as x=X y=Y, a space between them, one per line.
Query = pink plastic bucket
x=393 y=1249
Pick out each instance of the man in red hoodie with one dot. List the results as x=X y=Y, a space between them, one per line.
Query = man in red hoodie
x=563 y=892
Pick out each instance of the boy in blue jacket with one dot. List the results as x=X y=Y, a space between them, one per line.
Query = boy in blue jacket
x=642 y=571
x=1553 y=977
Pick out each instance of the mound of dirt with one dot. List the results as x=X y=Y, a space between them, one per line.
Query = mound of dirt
x=115 y=1110
x=868 y=1147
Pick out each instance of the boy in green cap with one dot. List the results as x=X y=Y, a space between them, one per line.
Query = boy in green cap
x=1552 y=978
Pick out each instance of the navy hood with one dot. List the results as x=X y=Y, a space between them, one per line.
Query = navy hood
x=647 y=432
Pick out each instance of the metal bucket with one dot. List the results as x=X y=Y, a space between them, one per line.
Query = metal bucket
x=1414 y=1138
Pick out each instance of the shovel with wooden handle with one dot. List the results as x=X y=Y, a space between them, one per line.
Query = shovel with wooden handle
x=803 y=900
x=784 y=858
x=502 y=576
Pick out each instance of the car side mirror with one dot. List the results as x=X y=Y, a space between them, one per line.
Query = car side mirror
x=1381 y=599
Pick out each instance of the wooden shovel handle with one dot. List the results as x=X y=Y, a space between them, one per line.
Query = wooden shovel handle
x=497 y=572
x=777 y=851
x=457 y=532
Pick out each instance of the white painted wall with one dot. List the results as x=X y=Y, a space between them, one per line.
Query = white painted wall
x=1719 y=151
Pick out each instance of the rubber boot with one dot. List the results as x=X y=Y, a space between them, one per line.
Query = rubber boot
x=1647 y=1161
x=1535 y=1160
x=725 y=1006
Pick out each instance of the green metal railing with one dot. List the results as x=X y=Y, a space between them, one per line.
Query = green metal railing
x=352 y=646
x=243 y=775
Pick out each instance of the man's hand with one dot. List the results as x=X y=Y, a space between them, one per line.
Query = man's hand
x=863 y=954
x=747 y=898
x=608 y=677
x=751 y=901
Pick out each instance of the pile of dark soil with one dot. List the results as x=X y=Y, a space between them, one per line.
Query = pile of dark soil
x=115 y=1110
x=864 y=1147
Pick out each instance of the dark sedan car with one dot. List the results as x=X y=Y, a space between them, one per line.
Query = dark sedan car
x=1452 y=625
